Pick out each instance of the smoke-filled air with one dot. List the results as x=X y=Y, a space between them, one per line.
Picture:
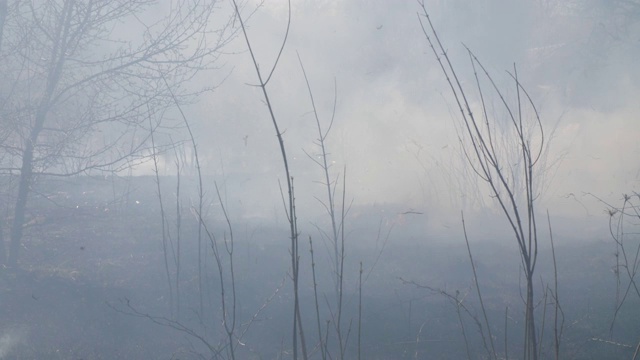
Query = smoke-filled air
x=319 y=179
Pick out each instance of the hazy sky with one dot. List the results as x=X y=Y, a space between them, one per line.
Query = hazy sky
x=395 y=119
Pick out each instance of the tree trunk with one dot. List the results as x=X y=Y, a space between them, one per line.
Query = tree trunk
x=21 y=204
x=3 y=16
x=531 y=341
x=26 y=176
x=58 y=54
x=3 y=254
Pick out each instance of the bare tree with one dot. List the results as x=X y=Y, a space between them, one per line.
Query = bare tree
x=3 y=16
x=3 y=132
x=336 y=236
x=623 y=219
x=290 y=207
x=505 y=156
x=77 y=88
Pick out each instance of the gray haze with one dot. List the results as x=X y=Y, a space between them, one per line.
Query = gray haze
x=118 y=263
x=394 y=128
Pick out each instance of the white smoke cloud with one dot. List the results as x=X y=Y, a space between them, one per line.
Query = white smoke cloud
x=9 y=340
